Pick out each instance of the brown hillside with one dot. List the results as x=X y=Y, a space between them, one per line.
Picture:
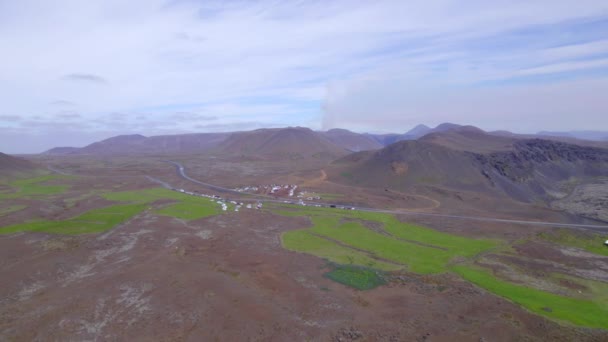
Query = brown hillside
x=13 y=166
x=470 y=138
x=139 y=144
x=408 y=163
x=291 y=142
x=528 y=170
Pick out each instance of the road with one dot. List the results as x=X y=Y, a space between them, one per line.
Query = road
x=600 y=228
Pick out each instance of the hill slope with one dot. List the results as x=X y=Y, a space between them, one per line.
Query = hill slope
x=470 y=138
x=291 y=142
x=415 y=133
x=139 y=144
x=524 y=170
x=13 y=166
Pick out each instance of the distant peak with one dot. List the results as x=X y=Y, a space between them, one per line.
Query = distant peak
x=338 y=130
x=470 y=128
x=419 y=130
x=446 y=125
x=421 y=126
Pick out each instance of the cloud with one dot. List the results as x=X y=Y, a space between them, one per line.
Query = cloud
x=90 y=78
x=70 y=115
x=237 y=126
x=11 y=118
x=62 y=103
x=189 y=116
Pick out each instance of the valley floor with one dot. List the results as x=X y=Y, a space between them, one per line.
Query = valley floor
x=105 y=254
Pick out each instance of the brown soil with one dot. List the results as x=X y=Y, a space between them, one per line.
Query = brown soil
x=228 y=278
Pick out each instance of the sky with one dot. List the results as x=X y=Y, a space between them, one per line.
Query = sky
x=73 y=72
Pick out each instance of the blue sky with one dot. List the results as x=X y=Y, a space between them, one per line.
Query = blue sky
x=73 y=72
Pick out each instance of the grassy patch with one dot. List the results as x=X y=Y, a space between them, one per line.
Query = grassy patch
x=591 y=242
x=424 y=250
x=356 y=277
x=11 y=209
x=32 y=187
x=93 y=221
x=576 y=311
x=188 y=208
x=421 y=250
x=420 y=259
x=346 y=175
x=305 y=242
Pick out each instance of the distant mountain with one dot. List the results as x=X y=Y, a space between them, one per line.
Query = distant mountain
x=14 y=166
x=470 y=138
x=281 y=143
x=61 y=150
x=566 y=139
x=352 y=141
x=418 y=131
x=331 y=143
x=584 y=135
x=139 y=144
x=413 y=134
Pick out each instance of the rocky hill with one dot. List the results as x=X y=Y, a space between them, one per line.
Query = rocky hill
x=524 y=170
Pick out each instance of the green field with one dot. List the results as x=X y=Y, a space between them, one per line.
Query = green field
x=130 y=203
x=306 y=242
x=35 y=187
x=576 y=311
x=188 y=207
x=341 y=236
x=93 y=221
x=418 y=249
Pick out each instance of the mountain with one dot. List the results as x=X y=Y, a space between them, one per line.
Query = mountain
x=418 y=131
x=583 y=135
x=566 y=139
x=279 y=143
x=469 y=159
x=139 y=144
x=413 y=134
x=351 y=141
x=13 y=166
x=61 y=150
x=470 y=138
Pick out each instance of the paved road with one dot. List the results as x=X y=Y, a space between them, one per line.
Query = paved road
x=57 y=171
x=601 y=228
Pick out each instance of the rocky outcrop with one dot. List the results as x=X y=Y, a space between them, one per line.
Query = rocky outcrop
x=529 y=156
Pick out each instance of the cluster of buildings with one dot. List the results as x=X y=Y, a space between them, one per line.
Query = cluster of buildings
x=221 y=201
x=289 y=190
